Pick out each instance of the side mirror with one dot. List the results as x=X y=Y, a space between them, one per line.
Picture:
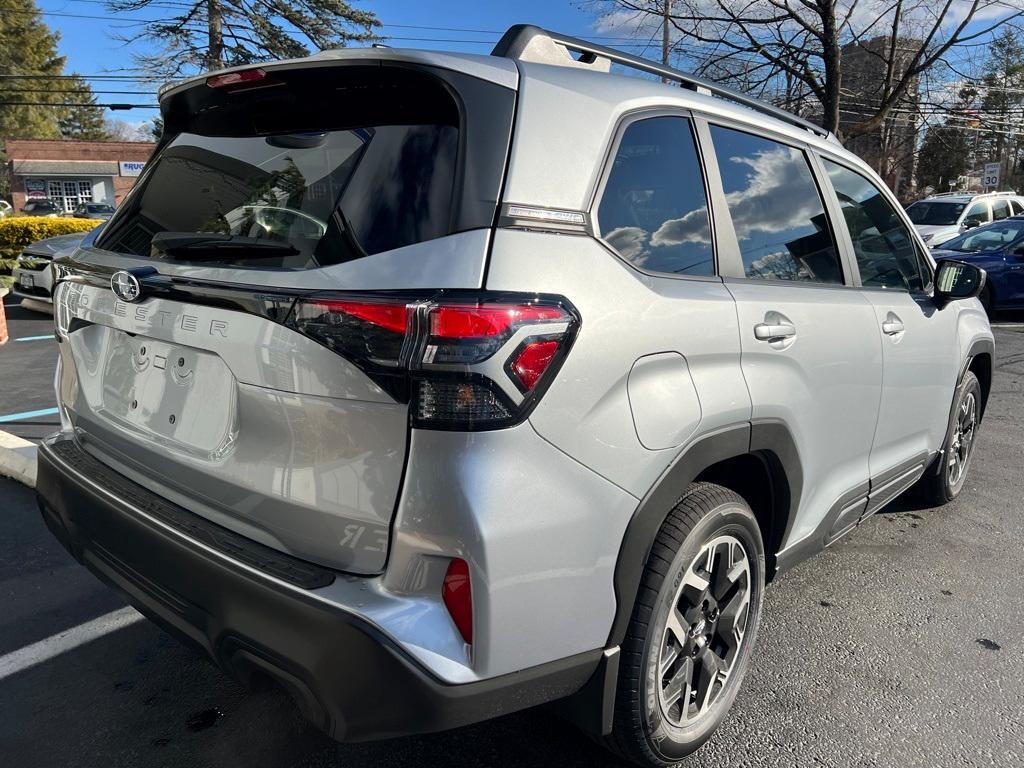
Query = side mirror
x=957 y=280
x=971 y=223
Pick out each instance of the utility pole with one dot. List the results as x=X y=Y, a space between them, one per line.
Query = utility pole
x=215 y=49
x=666 y=13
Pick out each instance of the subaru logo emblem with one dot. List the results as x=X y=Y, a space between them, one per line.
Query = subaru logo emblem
x=125 y=286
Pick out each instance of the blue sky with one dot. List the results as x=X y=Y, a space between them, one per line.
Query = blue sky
x=91 y=46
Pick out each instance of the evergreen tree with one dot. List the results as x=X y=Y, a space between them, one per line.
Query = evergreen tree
x=84 y=121
x=28 y=47
x=211 y=34
x=943 y=156
x=1002 y=105
x=31 y=90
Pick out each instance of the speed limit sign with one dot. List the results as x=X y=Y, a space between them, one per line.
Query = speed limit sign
x=991 y=177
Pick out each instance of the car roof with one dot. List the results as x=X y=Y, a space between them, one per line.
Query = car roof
x=969 y=196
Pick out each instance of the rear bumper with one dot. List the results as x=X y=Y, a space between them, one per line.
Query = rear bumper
x=348 y=676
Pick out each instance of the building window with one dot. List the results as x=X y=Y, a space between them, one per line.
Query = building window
x=69 y=194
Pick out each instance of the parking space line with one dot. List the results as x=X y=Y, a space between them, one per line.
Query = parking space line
x=27 y=415
x=55 y=645
x=36 y=338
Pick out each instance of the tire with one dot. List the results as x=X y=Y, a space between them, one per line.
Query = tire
x=649 y=726
x=946 y=478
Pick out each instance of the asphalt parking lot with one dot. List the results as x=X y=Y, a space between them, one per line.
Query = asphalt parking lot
x=903 y=645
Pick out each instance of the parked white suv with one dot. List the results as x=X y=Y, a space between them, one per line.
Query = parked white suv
x=439 y=386
x=942 y=217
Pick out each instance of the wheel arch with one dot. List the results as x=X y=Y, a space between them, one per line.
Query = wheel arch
x=758 y=460
x=980 y=361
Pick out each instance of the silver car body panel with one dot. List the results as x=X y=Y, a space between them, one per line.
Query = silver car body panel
x=455 y=261
x=260 y=428
x=587 y=412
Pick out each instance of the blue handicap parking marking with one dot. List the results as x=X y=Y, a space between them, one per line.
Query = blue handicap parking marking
x=27 y=415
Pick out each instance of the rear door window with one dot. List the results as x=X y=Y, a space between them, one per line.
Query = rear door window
x=326 y=168
x=654 y=209
x=1000 y=210
x=776 y=209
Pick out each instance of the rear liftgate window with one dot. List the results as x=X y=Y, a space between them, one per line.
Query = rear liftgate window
x=314 y=167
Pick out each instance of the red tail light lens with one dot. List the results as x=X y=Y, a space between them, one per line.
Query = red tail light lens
x=465 y=364
x=457 y=594
x=243 y=77
x=531 y=362
x=468 y=321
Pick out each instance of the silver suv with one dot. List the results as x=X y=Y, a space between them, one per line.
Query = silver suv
x=434 y=387
x=940 y=218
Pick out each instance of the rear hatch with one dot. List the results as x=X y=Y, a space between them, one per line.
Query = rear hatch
x=214 y=347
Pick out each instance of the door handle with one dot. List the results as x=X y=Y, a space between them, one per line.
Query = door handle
x=772 y=331
x=892 y=326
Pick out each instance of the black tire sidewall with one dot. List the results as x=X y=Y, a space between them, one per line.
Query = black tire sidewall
x=668 y=742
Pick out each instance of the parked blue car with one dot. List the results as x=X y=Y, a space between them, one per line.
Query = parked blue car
x=998 y=248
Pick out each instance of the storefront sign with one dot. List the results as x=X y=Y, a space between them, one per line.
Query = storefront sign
x=131 y=167
x=35 y=188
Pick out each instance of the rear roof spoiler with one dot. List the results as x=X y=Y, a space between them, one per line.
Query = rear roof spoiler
x=529 y=43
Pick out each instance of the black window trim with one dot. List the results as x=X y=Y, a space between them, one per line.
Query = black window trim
x=924 y=256
x=625 y=121
x=734 y=270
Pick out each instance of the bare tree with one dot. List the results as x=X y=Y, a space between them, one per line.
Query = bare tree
x=210 y=34
x=795 y=48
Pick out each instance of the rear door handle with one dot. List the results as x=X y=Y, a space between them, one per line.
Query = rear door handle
x=772 y=331
x=892 y=326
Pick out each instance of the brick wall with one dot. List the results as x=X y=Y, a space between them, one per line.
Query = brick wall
x=33 y=149
x=39 y=149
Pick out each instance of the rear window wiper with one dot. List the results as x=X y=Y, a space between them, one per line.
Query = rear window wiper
x=216 y=246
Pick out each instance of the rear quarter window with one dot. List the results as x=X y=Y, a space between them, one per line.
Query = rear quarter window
x=653 y=209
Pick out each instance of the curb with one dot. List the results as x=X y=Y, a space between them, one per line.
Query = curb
x=18 y=459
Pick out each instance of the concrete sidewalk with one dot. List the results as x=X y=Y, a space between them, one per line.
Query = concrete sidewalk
x=18 y=459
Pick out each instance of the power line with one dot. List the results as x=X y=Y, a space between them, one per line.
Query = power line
x=5 y=90
x=113 y=107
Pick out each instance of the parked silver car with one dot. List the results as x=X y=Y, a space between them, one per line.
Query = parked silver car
x=100 y=211
x=496 y=380
x=33 y=278
x=5 y=209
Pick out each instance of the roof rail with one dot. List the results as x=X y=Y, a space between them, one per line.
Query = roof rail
x=1005 y=193
x=530 y=43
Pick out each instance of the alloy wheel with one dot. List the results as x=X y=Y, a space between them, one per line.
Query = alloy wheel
x=963 y=438
x=704 y=631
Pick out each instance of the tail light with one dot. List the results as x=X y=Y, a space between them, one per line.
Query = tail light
x=457 y=593
x=479 y=362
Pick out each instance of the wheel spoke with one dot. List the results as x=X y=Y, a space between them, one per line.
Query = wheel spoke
x=732 y=622
x=711 y=674
x=679 y=687
x=668 y=658
x=677 y=626
x=695 y=584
